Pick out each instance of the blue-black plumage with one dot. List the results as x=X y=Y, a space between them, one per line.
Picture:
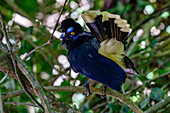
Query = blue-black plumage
x=98 y=55
x=86 y=60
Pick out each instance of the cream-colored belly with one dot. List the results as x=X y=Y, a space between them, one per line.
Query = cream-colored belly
x=113 y=50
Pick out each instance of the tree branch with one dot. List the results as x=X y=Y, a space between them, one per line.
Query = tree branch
x=17 y=9
x=16 y=61
x=159 y=105
x=150 y=17
x=147 y=19
x=80 y=89
x=19 y=103
x=148 y=81
x=31 y=84
x=7 y=38
x=1 y=104
x=6 y=67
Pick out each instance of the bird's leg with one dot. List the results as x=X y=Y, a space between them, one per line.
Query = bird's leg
x=104 y=90
x=86 y=85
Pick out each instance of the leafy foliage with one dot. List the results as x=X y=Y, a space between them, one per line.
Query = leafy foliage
x=148 y=46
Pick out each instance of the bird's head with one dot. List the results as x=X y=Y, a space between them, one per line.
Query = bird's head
x=70 y=30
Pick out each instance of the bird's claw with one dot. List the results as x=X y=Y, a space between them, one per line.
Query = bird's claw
x=86 y=85
x=104 y=90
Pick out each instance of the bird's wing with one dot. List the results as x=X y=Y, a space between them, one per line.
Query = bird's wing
x=88 y=62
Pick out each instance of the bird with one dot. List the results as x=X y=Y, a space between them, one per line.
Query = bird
x=99 y=54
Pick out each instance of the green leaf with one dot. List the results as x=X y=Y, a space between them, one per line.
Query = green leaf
x=85 y=107
x=55 y=45
x=28 y=6
x=111 y=105
x=134 y=98
x=157 y=94
x=128 y=8
x=24 y=98
x=114 y=107
x=89 y=111
x=65 y=95
x=152 y=74
x=42 y=30
x=38 y=68
x=22 y=109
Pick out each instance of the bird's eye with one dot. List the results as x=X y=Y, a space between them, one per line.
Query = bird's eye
x=72 y=33
x=70 y=29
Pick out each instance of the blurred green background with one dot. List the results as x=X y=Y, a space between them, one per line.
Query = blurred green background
x=31 y=22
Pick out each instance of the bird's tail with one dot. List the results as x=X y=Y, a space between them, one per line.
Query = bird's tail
x=105 y=25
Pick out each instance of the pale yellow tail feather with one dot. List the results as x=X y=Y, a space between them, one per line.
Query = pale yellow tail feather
x=113 y=50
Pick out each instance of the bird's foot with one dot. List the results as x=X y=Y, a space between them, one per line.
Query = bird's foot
x=86 y=85
x=104 y=90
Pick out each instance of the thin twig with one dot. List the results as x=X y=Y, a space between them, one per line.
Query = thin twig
x=163 y=63
x=99 y=105
x=35 y=84
x=150 y=17
x=14 y=62
x=6 y=75
x=58 y=20
x=1 y=104
x=166 y=108
x=32 y=51
x=50 y=40
x=7 y=68
x=19 y=103
x=17 y=9
x=147 y=19
x=148 y=81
